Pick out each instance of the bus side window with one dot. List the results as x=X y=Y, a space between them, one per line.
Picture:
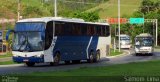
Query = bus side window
x=92 y=30
x=107 y=30
x=57 y=31
x=95 y=30
x=73 y=29
x=77 y=29
x=83 y=29
x=59 y=28
x=98 y=30
x=88 y=30
x=103 y=33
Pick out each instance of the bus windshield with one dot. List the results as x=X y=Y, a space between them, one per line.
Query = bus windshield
x=144 y=42
x=27 y=41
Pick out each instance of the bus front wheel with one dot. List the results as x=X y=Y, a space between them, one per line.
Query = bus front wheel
x=56 y=59
x=30 y=64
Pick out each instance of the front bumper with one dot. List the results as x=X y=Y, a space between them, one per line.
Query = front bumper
x=28 y=59
x=144 y=52
x=125 y=46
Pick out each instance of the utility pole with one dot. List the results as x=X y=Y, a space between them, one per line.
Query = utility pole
x=154 y=37
x=55 y=8
x=18 y=10
x=143 y=23
x=156 y=31
x=119 y=23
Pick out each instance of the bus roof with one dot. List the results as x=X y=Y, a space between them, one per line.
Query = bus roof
x=47 y=19
x=144 y=35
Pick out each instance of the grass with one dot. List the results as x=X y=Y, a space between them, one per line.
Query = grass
x=131 y=69
x=111 y=73
x=7 y=62
x=110 y=8
x=6 y=55
x=115 y=53
x=157 y=47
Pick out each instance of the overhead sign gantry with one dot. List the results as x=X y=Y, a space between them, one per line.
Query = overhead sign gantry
x=133 y=21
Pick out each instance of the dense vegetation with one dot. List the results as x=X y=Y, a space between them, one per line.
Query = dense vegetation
x=149 y=9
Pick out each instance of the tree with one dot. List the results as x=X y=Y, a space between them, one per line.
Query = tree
x=34 y=11
x=146 y=6
x=151 y=10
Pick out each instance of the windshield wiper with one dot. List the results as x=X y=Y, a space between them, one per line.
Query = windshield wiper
x=28 y=46
x=22 y=45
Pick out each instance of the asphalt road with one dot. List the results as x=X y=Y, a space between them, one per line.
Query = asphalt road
x=126 y=58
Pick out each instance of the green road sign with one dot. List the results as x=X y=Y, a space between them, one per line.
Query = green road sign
x=136 y=20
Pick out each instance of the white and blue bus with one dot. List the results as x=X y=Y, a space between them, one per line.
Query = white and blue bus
x=55 y=39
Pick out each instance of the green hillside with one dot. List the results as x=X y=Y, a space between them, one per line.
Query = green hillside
x=43 y=8
x=35 y=8
x=110 y=8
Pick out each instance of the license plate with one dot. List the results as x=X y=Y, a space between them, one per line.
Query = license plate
x=143 y=52
x=25 y=60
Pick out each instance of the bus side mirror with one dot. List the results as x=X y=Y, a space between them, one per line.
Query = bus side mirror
x=8 y=34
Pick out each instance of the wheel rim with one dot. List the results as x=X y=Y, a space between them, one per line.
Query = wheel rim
x=56 y=59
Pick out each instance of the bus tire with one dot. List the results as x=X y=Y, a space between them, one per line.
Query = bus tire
x=137 y=54
x=56 y=58
x=151 y=54
x=30 y=64
x=91 y=57
x=97 y=58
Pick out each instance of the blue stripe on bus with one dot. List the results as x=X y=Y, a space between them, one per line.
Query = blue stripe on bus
x=74 y=47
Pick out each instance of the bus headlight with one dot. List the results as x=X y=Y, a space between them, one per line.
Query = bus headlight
x=41 y=56
x=148 y=49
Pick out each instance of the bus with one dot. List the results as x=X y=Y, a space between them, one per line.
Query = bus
x=125 y=41
x=56 y=39
x=144 y=44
